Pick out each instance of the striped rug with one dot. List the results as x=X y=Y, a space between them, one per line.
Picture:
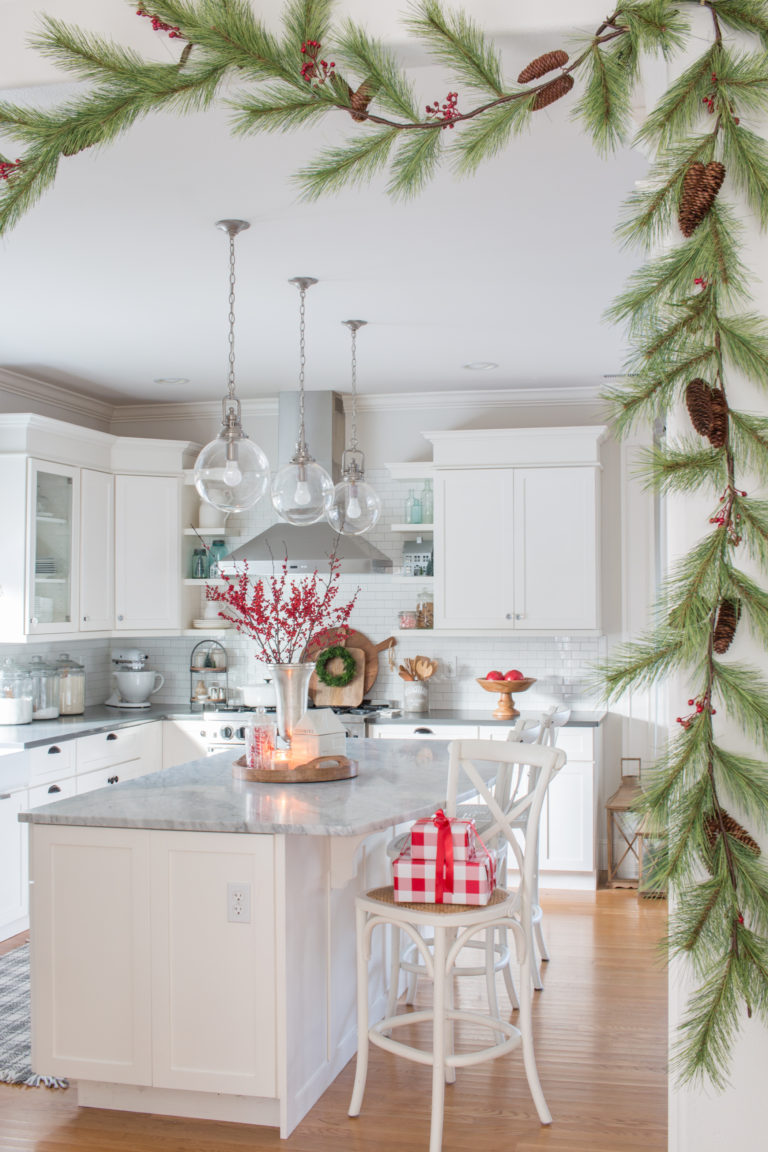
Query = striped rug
x=15 y=1028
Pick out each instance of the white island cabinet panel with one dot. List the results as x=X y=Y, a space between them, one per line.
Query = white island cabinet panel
x=91 y=954
x=147 y=552
x=213 y=987
x=13 y=863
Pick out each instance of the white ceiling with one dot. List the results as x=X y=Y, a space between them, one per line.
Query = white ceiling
x=118 y=276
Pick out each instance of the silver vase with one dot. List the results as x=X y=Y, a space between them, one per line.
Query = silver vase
x=292 y=690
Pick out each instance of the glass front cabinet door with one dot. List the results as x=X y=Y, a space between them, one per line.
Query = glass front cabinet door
x=52 y=550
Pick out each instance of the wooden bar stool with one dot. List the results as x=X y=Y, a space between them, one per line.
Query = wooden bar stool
x=452 y=928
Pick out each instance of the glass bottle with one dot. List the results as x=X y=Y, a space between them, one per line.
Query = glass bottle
x=217 y=553
x=415 y=510
x=199 y=564
x=409 y=507
x=427 y=503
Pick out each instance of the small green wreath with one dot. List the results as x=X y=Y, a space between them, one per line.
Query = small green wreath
x=347 y=674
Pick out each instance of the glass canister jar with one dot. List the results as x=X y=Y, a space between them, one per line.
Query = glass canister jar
x=45 y=684
x=15 y=693
x=71 y=686
x=218 y=551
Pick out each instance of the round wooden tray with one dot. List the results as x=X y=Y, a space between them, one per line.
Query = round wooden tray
x=505 y=709
x=314 y=771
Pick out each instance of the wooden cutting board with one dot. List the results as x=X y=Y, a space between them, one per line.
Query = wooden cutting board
x=351 y=695
x=353 y=640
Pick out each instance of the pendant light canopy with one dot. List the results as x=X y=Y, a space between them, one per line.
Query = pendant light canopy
x=355 y=506
x=302 y=490
x=231 y=473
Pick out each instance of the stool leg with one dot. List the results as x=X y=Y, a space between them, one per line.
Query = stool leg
x=509 y=980
x=394 y=971
x=361 y=1067
x=438 y=1042
x=541 y=943
x=490 y=976
x=450 y=1001
x=526 y=1031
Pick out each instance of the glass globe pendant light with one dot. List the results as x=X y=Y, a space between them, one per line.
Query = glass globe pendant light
x=231 y=473
x=355 y=506
x=302 y=489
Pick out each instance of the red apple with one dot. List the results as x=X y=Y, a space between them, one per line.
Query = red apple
x=514 y=675
x=494 y=676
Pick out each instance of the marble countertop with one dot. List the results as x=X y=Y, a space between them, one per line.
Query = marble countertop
x=100 y=718
x=397 y=781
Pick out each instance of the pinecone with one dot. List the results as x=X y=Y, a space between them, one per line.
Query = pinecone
x=698 y=400
x=718 y=432
x=543 y=64
x=701 y=184
x=734 y=830
x=552 y=91
x=725 y=625
x=360 y=99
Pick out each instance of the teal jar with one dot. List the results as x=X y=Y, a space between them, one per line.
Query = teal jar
x=218 y=551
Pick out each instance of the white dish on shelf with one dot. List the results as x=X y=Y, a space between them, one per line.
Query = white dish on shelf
x=211 y=622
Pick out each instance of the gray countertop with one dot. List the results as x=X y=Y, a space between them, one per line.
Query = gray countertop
x=99 y=718
x=397 y=781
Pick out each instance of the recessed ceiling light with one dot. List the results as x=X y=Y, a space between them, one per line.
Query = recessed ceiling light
x=171 y=380
x=481 y=366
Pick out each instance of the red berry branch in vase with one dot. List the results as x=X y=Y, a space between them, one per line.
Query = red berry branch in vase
x=282 y=614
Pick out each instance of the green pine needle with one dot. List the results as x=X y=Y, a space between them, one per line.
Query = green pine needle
x=457 y=42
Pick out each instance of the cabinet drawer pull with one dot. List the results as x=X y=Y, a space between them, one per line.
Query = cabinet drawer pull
x=54 y=748
x=423 y=731
x=54 y=788
x=111 y=736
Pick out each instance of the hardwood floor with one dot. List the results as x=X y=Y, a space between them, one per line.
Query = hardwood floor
x=601 y=1044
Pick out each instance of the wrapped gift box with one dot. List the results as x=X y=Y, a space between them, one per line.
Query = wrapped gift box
x=466 y=882
x=425 y=835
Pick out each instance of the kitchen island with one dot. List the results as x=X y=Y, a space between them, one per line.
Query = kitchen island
x=193 y=934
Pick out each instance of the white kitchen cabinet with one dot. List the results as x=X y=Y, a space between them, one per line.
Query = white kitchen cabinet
x=50 y=762
x=53 y=547
x=97 y=551
x=422 y=730
x=147 y=553
x=530 y=563
x=13 y=863
x=108 y=757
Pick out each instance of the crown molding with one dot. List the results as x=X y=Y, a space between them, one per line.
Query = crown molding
x=78 y=403
x=180 y=409
x=486 y=398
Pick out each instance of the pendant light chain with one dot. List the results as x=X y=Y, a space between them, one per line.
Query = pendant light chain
x=353 y=430
x=231 y=381
x=302 y=444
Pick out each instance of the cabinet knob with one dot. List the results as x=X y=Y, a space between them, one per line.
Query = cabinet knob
x=54 y=748
x=508 y=616
x=111 y=736
x=519 y=615
x=33 y=619
x=85 y=619
x=112 y=779
x=54 y=788
x=120 y=617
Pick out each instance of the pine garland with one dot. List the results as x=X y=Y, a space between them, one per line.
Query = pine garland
x=685 y=312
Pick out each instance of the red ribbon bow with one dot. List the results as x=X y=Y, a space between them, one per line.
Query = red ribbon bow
x=444 y=862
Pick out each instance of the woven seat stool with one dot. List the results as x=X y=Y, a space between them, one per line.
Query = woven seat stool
x=452 y=926
x=439 y=932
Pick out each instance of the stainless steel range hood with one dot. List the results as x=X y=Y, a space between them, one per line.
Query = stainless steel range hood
x=310 y=548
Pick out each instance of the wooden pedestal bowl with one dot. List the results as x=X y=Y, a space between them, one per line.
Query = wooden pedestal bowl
x=505 y=709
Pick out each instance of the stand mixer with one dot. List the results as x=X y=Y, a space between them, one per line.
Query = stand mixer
x=133 y=682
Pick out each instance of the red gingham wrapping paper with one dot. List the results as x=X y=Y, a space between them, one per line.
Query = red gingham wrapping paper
x=424 y=839
x=473 y=880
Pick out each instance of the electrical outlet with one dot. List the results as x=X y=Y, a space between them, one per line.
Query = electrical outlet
x=239 y=903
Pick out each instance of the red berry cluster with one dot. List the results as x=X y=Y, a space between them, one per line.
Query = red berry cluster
x=283 y=615
x=446 y=112
x=8 y=167
x=702 y=704
x=710 y=100
x=160 y=25
x=315 y=71
x=726 y=515
x=701 y=282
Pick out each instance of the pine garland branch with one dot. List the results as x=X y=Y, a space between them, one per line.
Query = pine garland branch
x=371 y=60
x=355 y=163
x=484 y=138
x=744 y=341
x=681 y=467
x=754 y=528
x=745 y=16
x=415 y=162
x=605 y=103
x=639 y=663
x=744 y=694
x=649 y=213
x=457 y=42
x=679 y=109
x=749 y=438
